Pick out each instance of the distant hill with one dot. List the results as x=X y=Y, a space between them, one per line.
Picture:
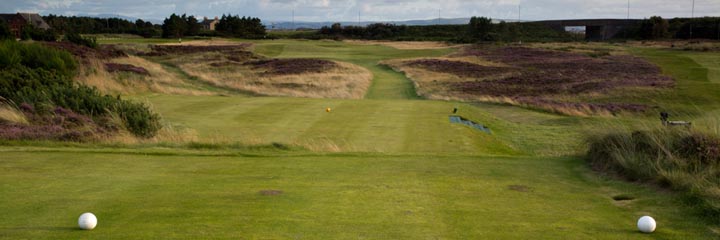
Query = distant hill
x=279 y=25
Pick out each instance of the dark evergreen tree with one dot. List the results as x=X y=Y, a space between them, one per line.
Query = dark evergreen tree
x=654 y=28
x=174 y=27
x=245 y=27
x=193 y=26
x=480 y=28
x=5 y=31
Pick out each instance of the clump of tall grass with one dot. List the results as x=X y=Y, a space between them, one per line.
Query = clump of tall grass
x=682 y=159
x=9 y=114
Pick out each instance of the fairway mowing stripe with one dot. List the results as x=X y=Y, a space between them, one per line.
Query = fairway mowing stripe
x=389 y=84
x=339 y=127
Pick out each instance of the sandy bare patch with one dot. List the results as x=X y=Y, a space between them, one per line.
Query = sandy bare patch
x=270 y=192
x=520 y=188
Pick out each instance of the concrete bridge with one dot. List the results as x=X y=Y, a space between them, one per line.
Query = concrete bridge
x=595 y=29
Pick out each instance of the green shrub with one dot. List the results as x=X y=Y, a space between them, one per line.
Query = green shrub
x=36 y=56
x=138 y=118
x=31 y=32
x=75 y=38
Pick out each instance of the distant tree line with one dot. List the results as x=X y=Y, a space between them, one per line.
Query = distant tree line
x=677 y=28
x=484 y=29
x=93 y=25
x=245 y=27
x=178 y=26
x=705 y=27
x=478 y=29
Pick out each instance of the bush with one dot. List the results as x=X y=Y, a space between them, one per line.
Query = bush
x=30 y=32
x=36 y=56
x=683 y=160
x=75 y=38
x=138 y=118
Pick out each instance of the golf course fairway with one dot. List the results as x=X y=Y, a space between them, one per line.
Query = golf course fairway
x=390 y=166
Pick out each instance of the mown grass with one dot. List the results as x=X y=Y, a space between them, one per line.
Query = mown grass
x=385 y=167
x=323 y=197
x=354 y=126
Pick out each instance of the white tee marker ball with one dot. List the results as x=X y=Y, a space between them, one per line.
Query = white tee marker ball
x=646 y=224
x=87 y=221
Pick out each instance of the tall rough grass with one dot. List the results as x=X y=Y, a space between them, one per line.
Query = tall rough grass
x=9 y=114
x=348 y=81
x=677 y=158
x=160 y=80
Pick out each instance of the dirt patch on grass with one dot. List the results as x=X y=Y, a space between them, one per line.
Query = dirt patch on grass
x=270 y=192
x=559 y=81
x=623 y=197
x=520 y=188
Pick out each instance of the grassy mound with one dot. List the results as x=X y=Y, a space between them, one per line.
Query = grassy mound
x=558 y=81
x=231 y=67
x=40 y=78
x=679 y=159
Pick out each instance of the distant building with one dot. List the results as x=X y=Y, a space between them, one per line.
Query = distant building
x=209 y=24
x=17 y=21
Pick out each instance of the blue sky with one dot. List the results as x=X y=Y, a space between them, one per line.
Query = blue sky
x=370 y=10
